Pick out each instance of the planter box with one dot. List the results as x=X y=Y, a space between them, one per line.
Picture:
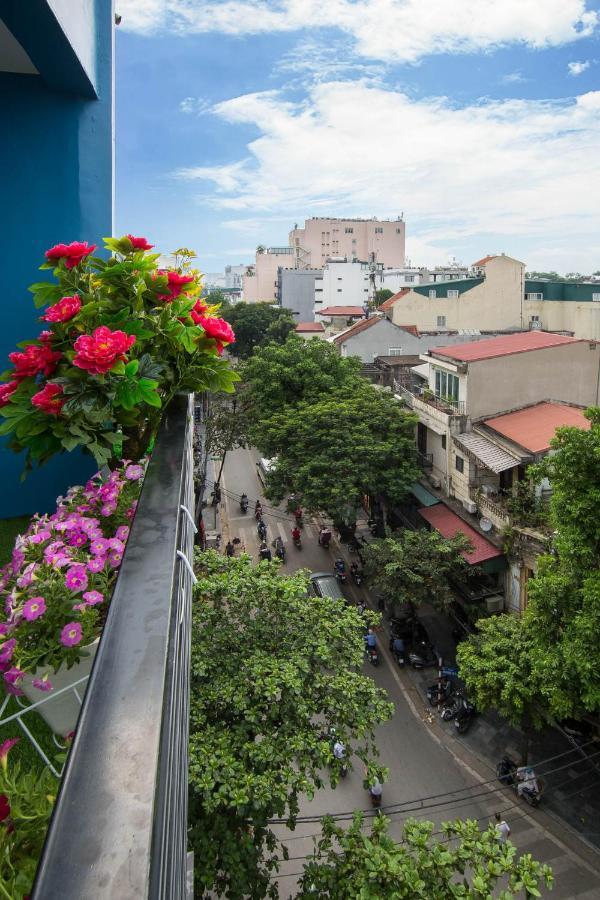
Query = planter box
x=61 y=713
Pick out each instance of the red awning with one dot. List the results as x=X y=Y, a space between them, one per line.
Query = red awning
x=448 y=524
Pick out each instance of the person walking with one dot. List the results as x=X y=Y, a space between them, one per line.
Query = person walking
x=229 y=549
x=502 y=829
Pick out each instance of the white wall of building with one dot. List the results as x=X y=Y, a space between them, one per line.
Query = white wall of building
x=342 y=284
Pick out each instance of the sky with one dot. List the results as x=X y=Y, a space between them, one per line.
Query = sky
x=478 y=120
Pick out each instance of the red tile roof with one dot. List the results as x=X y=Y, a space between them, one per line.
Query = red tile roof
x=449 y=524
x=387 y=304
x=341 y=311
x=362 y=325
x=412 y=329
x=520 y=342
x=534 y=426
x=310 y=326
x=486 y=259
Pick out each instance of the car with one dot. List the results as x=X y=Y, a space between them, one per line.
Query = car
x=325 y=584
x=264 y=466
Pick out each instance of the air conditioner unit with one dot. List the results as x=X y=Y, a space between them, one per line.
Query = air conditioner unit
x=434 y=481
x=470 y=506
x=494 y=604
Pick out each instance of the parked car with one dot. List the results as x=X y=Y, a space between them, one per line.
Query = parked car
x=264 y=466
x=325 y=584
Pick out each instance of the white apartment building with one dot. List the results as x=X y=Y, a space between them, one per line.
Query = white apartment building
x=342 y=283
x=322 y=238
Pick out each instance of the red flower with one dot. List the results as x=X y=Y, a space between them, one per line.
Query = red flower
x=176 y=283
x=4 y=807
x=217 y=329
x=99 y=352
x=45 y=336
x=33 y=360
x=6 y=391
x=139 y=243
x=49 y=399
x=197 y=311
x=64 y=310
x=72 y=253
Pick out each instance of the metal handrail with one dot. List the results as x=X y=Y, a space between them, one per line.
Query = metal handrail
x=119 y=827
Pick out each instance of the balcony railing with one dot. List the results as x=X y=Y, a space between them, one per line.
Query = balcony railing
x=444 y=404
x=425 y=460
x=119 y=827
x=487 y=505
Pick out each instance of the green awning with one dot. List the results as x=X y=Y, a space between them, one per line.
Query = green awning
x=423 y=495
x=496 y=564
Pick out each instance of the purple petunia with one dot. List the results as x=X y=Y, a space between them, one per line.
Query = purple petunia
x=42 y=684
x=76 y=578
x=108 y=509
x=34 y=608
x=134 y=473
x=77 y=538
x=13 y=675
x=99 y=546
x=6 y=652
x=114 y=559
x=122 y=532
x=116 y=544
x=71 y=635
x=92 y=598
x=96 y=564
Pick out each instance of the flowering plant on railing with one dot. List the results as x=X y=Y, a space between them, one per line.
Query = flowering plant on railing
x=120 y=338
x=57 y=586
x=26 y=800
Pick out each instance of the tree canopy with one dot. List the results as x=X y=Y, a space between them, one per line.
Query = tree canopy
x=353 y=864
x=272 y=669
x=417 y=566
x=257 y=323
x=382 y=295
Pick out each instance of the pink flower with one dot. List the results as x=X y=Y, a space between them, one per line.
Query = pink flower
x=197 y=312
x=34 y=608
x=42 y=684
x=217 y=329
x=5 y=749
x=115 y=544
x=6 y=651
x=72 y=253
x=92 y=598
x=131 y=511
x=108 y=509
x=76 y=578
x=77 y=538
x=4 y=806
x=175 y=283
x=18 y=558
x=139 y=243
x=52 y=548
x=134 y=473
x=49 y=399
x=13 y=675
x=114 y=559
x=99 y=546
x=45 y=336
x=122 y=533
x=71 y=634
x=33 y=360
x=28 y=575
x=98 y=352
x=96 y=564
x=6 y=392
x=64 y=310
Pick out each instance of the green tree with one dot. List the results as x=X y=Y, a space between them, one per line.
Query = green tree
x=279 y=377
x=227 y=424
x=382 y=295
x=351 y=864
x=417 y=566
x=333 y=451
x=272 y=668
x=498 y=666
x=257 y=323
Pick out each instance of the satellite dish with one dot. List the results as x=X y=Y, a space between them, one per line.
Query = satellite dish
x=485 y=524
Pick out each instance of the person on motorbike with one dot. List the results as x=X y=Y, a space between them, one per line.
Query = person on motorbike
x=370 y=640
x=324 y=536
x=264 y=552
x=296 y=533
x=298 y=515
x=339 y=566
x=244 y=501
x=398 y=647
x=279 y=548
x=526 y=781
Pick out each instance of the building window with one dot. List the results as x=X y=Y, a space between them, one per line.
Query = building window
x=452 y=293
x=459 y=464
x=349 y=230
x=339 y=279
x=596 y=297
x=443 y=442
x=379 y=231
x=409 y=277
x=446 y=385
x=536 y=296
x=398 y=231
x=395 y=351
x=432 y=294
x=339 y=290
x=441 y=321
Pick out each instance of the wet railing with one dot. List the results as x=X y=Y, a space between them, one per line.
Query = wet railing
x=119 y=828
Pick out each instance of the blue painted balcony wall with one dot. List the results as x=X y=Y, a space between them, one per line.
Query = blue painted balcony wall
x=57 y=165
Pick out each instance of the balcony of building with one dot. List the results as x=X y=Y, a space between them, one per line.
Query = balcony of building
x=423 y=400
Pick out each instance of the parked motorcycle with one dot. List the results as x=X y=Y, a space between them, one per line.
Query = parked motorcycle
x=522 y=780
x=340 y=570
x=439 y=691
x=244 y=503
x=449 y=707
x=422 y=656
x=465 y=715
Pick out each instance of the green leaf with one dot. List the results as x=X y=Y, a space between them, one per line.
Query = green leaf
x=118 y=368
x=70 y=442
x=43 y=293
x=132 y=367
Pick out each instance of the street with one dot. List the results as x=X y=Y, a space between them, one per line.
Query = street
x=421 y=765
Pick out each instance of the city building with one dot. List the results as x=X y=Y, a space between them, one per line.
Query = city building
x=497 y=296
x=259 y=281
x=310 y=330
x=394 y=279
x=342 y=283
x=296 y=291
x=336 y=318
x=382 y=241
x=489 y=408
x=57 y=155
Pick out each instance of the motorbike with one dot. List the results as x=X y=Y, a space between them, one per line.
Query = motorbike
x=280 y=550
x=325 y=539
x=399 y=655
x=244 y=503
x=506 y=773
x=298 y=518
x=262 y=530
x=357 y=575
x=465 y=715
x=439 y=691
x=422 y=655
x=258 y=513
x=297 y=542
x=372 y=655
x=450 y=706
x=375 y=799
x=340 y=570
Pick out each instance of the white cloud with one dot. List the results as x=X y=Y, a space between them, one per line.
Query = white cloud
x=577 y=68
x=398 y=30
x=513 y=78
x=194 y=106
x=517 y=170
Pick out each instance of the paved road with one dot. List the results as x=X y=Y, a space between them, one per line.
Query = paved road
x=420 y=764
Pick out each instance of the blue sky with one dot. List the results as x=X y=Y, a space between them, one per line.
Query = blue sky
x=479 y=120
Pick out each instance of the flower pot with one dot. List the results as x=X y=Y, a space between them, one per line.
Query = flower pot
x=61 y=713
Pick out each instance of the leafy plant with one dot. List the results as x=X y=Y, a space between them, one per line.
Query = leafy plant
x=256 y=324
x=121 y=338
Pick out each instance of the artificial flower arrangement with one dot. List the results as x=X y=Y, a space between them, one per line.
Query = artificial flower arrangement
x=121 y=337
x=58 y=584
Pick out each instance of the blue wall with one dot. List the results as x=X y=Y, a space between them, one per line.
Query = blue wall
x=56 y=160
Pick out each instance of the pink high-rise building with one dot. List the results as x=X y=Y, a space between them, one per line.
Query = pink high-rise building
x=322 y=239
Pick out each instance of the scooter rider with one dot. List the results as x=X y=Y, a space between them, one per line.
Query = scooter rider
x=370 y=640
x=244 y=502
x=398 y=647
x=527 y=781
x=265 y=553
x=324 y=536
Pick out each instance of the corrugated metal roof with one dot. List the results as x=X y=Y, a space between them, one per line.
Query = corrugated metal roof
x=492 y=457
x=534 y=426
x=340 y=311
x=449 y=524
x=519 y=342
